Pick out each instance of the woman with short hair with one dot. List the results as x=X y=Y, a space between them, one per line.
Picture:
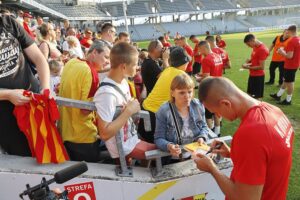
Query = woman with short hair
x=180 y=120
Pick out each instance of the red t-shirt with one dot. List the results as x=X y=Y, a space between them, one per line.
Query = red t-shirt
x=166 y=44
x=223 y=54
x=259 y=53
x=212 y=64
x=197 y=55
x=190 y=52
x=261 y=151
x=294 y=46
x=28 y=30
x=221 y=44
x=86 y=42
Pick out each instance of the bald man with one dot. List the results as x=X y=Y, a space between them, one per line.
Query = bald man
x=261 y=149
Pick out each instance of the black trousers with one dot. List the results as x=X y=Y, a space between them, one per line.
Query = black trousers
x=148 y=136
x=89 y=152
x=273 y=66
x=12 y=140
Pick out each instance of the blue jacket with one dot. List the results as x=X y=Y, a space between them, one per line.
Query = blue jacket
x=165 y=131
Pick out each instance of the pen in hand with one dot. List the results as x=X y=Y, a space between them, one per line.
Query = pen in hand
x=218 y=146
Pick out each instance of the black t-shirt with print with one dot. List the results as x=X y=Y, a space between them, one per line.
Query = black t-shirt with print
x=150 y=70
x=15 y=72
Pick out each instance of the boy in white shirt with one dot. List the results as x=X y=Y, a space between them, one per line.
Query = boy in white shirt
x=114 y=91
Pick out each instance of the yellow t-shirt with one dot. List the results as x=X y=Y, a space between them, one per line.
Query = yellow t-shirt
x=76 y=81
x=162 y=89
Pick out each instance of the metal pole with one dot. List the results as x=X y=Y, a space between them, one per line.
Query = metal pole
x=125 y=15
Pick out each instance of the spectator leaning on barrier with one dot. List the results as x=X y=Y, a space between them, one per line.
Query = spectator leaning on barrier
x=15 y=77
x=113 y=92
x=161 y=91
x=80 y=81
x=188 y=112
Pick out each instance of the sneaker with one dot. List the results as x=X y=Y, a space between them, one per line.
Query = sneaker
x=274 y=96
x=269 y=83
x=285 y=102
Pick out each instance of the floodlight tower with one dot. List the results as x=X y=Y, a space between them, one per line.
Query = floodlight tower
x=125 y=14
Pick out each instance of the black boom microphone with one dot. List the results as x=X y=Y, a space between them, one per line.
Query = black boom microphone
x=60 y=177
x=70 y=172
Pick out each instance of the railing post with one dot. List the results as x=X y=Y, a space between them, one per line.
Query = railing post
x=121 y=170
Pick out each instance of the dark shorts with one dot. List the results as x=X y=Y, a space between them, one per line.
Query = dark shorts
x=208 y=114
x=289 y=75
x=256 y=86
x=196 y=68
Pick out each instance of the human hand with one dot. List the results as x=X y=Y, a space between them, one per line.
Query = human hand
x=224 y=149
x=281 y=51
x=17 y=97
x=166 y=54
x=132 y=107
x=174 y=150
x=246 y=65
x=204 y=163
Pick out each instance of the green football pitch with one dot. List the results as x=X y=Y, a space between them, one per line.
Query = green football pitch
x=238 y=53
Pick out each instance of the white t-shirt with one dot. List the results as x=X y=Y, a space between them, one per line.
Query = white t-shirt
x=78 y=49
x=54 y=81
x=106 y=100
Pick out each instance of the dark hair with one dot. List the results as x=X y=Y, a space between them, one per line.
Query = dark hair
x=207 y=33
x=249 y=38
x=210 y=38
x=292 y=28
x=161 y=38
x=105 y=27
x=192 y=37
x=203 y=43
x=122 y=53
x=44 y=29
x=123 y=34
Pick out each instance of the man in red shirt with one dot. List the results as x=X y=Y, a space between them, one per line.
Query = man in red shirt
x=87 y=41
x=183 y=43
x=27 y=18
x=291 y=64
x=220 y=43
x=224 y=55
x=256 y=66
x=164 y=42
x=212 y=65
x=261 y=149
x=197 y=56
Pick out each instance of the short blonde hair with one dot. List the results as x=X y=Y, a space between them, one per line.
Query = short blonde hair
x=71 y=39
x=182 y=81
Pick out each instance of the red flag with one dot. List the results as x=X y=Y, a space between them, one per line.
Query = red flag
x=36 y=120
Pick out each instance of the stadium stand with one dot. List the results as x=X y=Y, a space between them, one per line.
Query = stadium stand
x=187 y=16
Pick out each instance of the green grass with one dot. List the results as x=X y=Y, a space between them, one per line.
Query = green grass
x=238 y=53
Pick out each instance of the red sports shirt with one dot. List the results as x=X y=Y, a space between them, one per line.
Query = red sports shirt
x=294 y=46
x=212 y=64
x=166 y=44
x=197 y=55
x=221 y=44
x=259 y=53
x=261 y=151
x=223 y=54
x=86 y=42
x=190 y=52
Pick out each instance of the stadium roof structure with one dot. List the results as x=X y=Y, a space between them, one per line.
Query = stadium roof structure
x=35 y=6
x=113 y=10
